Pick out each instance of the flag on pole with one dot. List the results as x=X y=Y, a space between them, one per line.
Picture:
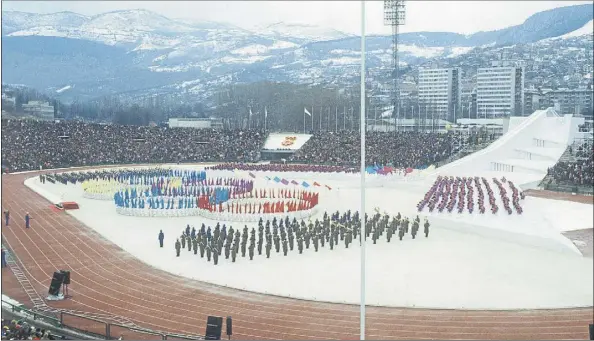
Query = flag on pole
x=330 y=188
x=252 y=175
x=277 y=179
x=267 y=178
x=305 y=184
x=294 y=182
x=265 y=112
x=306 y=112
x=316 y=184
x=284 y=181
x=251 y=112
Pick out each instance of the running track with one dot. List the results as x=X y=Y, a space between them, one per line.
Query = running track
x=107 y=280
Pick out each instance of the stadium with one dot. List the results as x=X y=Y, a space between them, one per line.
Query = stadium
x=489 y=254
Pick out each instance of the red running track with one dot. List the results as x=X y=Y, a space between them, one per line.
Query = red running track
x=107 y=280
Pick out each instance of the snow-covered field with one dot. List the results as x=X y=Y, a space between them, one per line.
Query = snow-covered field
x=468 y=261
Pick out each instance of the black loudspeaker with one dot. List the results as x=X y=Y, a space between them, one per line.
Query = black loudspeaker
x=66 y=276
x=56 y=283
x=591 y=331
x=214 y=326
x=229 y=326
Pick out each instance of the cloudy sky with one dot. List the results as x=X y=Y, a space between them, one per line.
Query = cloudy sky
x=451 y=16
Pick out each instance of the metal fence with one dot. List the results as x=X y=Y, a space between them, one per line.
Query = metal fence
x=583 y=190
x=96 y=328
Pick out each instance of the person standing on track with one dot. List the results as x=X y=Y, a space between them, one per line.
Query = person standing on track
x=7 y=217
x=27 y=220
x=161 y=238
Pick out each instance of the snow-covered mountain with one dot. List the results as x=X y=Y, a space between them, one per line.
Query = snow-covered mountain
x=587 y=29
x=300 y=33
x=138 y=50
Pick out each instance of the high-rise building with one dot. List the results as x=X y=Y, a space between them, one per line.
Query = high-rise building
x=571 y=101
x=500 y=90
x=439 y=92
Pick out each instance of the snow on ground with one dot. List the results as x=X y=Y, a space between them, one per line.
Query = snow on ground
x=582 y=31
x=10 y=301
x=453 y=269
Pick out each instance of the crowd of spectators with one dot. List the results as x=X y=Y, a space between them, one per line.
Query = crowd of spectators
x=578 y=173
x=19 y=330
x=29 y=144
x=398 y=149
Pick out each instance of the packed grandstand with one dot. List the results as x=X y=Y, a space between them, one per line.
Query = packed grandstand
x=74 y=143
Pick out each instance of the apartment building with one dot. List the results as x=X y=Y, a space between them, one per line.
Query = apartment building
x=571 y=101
x=500 y=90
x=439 y=92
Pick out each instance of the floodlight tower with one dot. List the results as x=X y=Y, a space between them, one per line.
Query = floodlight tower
x=394 y=14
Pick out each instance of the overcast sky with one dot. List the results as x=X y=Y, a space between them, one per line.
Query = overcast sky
x=450 y=16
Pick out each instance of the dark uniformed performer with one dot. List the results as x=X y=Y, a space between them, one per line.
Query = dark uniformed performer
x=7 y=217
x=243 y=247
x=307 y=239
x=331 y=243
x=188 y=230
x=315 y=242
x=195 y=245
x=401 y=232
x=233 y=255
x=291 y=240
x=161 y=238
x=227 y=250
x=268 y=248
x=415 y=228
x=260 y=242
x=177 y=248
x=183 y=241
x=277 y=243
x=251 y=249
x=202 y=245
x=285 y=248
x=426 y=225
x=208 y=251
x=215 y=254
x=189 y=242
x=300 y=244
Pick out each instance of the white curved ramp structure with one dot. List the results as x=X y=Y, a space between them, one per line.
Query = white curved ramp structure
x=524 y=153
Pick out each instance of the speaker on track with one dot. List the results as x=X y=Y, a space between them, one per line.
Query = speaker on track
x=591 y=331
x=214 y=326
x=66 y=276
x=229 y=325
x=56 y=283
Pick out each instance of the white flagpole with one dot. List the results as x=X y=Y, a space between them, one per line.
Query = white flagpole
x=336 y=120
x=321 y=112
x=362 y=215
x=304 y=121
x=265 y=117
x=312 y=113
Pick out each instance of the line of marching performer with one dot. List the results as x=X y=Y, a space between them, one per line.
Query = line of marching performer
x=286 y=234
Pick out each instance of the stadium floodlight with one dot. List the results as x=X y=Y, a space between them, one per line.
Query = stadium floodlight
x=394 y=16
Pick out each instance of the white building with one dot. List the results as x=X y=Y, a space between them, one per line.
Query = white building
x=500 y=91
x=439 y=92
x=39 y=109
